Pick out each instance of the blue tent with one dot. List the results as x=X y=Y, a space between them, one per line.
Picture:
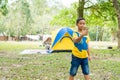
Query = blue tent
x=63 y=39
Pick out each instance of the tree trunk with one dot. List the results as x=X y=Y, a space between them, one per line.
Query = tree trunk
x=116 y=4
x=80 y=9
x=118 y=35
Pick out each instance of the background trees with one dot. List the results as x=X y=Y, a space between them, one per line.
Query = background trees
x=23 y=17
x=116 y=4
x=102 y=17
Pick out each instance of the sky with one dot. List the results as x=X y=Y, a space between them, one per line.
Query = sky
x=64 y=2
x=11 y=1
x=68 y=2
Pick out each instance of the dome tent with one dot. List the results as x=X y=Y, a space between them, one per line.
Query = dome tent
x=62 y=40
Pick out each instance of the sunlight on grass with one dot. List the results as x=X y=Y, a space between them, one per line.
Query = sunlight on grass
x=18 y=46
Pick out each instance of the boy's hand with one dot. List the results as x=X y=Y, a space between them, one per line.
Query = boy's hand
x=84 y=32
x=89 y=58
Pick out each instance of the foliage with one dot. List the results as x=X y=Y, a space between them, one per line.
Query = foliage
x=19 y=23
x=35 y=16
x=98 y=14
x=116 y=4
x=67 y=17
x=3 y=7
x=95 y=15
x=99 y=33
x=28 y=17
x=101 y=13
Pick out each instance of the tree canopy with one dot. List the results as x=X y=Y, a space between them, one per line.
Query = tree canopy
x=96 y=14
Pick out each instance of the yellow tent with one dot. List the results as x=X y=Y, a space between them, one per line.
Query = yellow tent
x=62 y=40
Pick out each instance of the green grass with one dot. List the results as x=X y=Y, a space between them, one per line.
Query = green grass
x=105 y=64
x=18 y=46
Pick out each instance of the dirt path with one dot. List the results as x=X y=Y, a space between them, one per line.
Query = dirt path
x=102 y=44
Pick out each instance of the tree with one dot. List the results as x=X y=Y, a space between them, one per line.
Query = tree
x=66 y=17
x=18 y=24
x=2 y=25
x=47 y=9
x=27 y=16
x=3 y=13
x=80 y=9
x=3 y=7
x=96 y=14
x=116 y=4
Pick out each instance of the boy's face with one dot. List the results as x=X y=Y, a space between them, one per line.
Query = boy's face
x=81 y=24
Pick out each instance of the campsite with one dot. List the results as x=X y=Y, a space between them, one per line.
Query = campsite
x=59 y=39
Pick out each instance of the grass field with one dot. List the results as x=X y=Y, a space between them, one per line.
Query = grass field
x=105 y=64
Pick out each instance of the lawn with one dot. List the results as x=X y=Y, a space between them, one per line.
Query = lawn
x=105 y=64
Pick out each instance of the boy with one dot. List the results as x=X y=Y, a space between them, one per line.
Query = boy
x=81 y=52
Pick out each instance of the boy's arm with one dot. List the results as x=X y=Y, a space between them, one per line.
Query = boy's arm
x=78 y=39
x=88 y=51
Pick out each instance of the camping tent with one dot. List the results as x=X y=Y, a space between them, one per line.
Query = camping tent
x=62 y=40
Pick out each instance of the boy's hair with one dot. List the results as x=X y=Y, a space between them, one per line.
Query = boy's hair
x=79 y=19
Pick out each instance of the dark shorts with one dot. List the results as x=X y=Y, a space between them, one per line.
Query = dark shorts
x=76 y=62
